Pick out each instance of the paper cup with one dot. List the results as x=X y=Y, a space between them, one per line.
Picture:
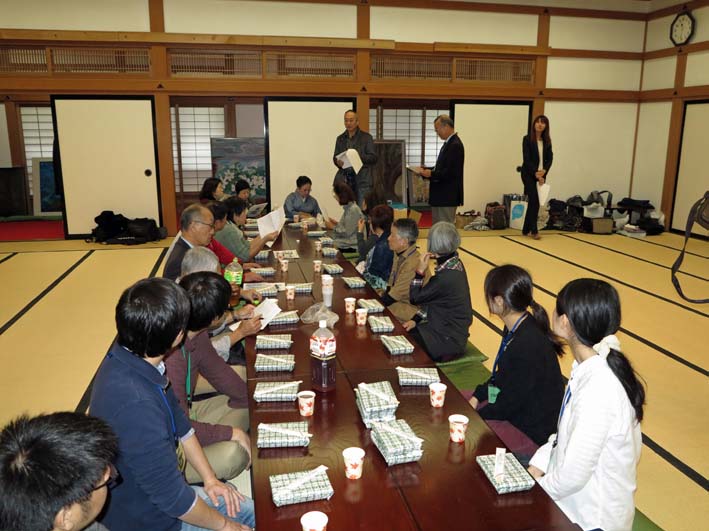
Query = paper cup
x=284 y=266
x=314 y=521
x=317 y=266
x=296 y=218
x=290 y=292
x=318 y=246
x=354 y=462
x=327 y=292
x=361 y=314
x=326 y=280
x=350 y=304
x=438 y=393
x=306 y=403
x=304 y=224
x=457 y=425
x=278 y=255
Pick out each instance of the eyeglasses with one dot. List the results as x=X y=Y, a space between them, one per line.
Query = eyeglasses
x=210 y=225
x=114 y=478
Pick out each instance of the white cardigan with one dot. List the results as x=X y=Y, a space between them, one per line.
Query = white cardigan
x=591 y=473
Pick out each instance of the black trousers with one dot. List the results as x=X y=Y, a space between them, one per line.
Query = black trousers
x=530 y=219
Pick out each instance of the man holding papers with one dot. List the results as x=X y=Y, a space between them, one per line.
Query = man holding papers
x=354 y=157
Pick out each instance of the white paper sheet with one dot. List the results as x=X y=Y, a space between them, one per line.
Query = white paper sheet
x=543 y=191
x=268 y=309
x=350 y=159
x=272 y=222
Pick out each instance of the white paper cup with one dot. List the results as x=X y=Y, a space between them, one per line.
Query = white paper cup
x=314 y=521
x=438 y=393
x=278 y=255
x=290 y=292
x=318 y=246
x=361 y=314
x=317 y=266
x=284 y=265
x=350 y=304
x=354 y=462
x=327 y=295
x=296 y=218
x=306 y=403
x=457 y=425
x=326 y=280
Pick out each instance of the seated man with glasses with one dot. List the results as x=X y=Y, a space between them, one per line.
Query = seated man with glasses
x=55 y=471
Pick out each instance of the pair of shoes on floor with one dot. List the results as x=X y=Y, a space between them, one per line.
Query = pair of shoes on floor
x=534 y=236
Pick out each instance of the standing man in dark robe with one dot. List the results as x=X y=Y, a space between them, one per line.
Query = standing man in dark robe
x=355 y=138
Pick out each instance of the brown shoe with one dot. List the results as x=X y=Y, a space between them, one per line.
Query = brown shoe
x=536 y=236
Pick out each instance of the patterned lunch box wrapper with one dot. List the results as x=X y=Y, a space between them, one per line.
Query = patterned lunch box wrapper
x=317 y=487
x=377 y=399
x=516 y=478
x=369 y=420
x=316 y=234
x=396 y=448
x=380 y=324
x=284 y=318
x=327 y=241
x=354 y=282
x=372 y=305
x=290 y=254
x=333 y=269
x=417 y=375
x=264 y=271
x=282 y=439
x=304 y=287
x=251 y=233
x=397 y=345
x=329 y=252
x=274 y=362
x=273 y=342
x=276 y=391
x=262 y=256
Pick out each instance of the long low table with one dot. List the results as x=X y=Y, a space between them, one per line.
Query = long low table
x=445 y=490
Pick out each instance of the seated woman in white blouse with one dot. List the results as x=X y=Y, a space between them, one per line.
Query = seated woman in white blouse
x=589 y=466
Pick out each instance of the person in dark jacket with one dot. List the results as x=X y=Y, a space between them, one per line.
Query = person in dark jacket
x=379 y=257
x=441 y=326
x=446 y=177
x=363 y=143
x=537 y=158
x=526 y=386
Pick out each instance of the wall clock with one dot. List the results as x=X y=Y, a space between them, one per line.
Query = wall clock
x=682 y=28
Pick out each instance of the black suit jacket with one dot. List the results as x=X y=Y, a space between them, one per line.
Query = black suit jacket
x=530 y=157
x=447 y=175
x=173 y=266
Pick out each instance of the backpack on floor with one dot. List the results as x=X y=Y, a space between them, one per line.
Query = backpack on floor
x=496 y=215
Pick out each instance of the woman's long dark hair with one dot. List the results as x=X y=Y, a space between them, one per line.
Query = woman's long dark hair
x=546 y=134
x=514 y=285
x=593 y=309
x=208 y=189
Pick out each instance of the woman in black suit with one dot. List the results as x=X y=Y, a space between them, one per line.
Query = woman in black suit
x=537 y=158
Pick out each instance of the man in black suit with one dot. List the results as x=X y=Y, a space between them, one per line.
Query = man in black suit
x=446 y=177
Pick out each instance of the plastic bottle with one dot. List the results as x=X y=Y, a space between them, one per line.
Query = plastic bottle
x=323 y=347
x=234 y=273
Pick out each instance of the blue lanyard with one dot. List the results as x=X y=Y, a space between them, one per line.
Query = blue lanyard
x=503 y=346
x=567 y=397
x=169 y=409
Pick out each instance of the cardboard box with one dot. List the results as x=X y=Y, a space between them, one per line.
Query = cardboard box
x=598 y=225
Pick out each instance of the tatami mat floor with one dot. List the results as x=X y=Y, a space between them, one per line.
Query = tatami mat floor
x=58 y=298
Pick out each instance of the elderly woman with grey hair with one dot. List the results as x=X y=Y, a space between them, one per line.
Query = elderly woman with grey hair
x=441 y=326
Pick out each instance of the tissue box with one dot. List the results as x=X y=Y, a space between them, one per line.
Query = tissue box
x=305 y=287
x=516 y=478
x=271 y=438
x=274 y=362
x=273 y=342
x=329 y=252
x=354 y=282
x=276 y=391
x=380 y=324
x=333 y=269
x=376 y=401
x=417 y=375
x=372 y=305
x=284 y=318
x=318 y=487
x=397 y=442
x=264 y=271
x=398 y=345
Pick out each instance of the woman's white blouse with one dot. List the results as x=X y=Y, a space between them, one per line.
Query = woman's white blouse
x=540 y=148
x=591 y=473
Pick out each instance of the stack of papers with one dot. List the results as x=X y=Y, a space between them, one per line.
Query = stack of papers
x=350 y=159
x=272 y=222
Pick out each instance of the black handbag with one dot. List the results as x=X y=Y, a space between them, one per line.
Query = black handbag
x=699 y=213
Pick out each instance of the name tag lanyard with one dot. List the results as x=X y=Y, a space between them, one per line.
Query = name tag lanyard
x=492 y=389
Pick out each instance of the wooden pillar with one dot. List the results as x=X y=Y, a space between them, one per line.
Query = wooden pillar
x=167 y=171
x=363 y=67
x=675 y=133
x=540 y=65
x=157 y=15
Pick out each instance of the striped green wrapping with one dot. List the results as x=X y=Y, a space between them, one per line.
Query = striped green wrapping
x=354 y=282
x=396 y=448
x=380 y=324
x=417 y=375
x=274 y=362
x=283 y=318
x=317 y=487
x=397 y=345
x=270 y=438
x=276 y=391
x=516 y=478
x=372 y=305
x=333 y=269
x=273 y=341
